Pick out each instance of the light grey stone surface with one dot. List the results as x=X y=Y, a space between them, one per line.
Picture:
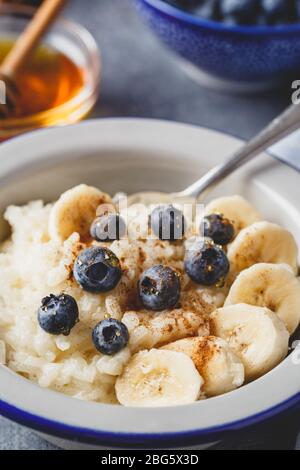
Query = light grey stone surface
x=142 y=79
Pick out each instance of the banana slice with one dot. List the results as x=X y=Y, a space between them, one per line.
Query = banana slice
x=221 y=369
x=154 y=329
x=236 y=209
x=159 y=378
x=263 y=242
x=272 y=286
x=75 y=211
x=255 y=334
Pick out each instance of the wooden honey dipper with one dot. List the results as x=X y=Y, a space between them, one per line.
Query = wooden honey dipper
x=22 y=49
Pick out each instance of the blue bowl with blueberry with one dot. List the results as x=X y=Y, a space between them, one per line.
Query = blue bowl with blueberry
x=240 y=45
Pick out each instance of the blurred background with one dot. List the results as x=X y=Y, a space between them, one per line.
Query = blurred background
x=141 y=76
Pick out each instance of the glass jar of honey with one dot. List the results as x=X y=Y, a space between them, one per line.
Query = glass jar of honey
x=60 y=82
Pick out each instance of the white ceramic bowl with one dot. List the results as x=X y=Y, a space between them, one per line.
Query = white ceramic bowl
x=134 y=155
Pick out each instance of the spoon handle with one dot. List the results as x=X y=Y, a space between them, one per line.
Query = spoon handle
x=27 y=41
x=280 y=127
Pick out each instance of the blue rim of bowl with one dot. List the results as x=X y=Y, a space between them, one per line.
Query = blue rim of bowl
x=117 y=440
x=130 y=440
x=174 y=12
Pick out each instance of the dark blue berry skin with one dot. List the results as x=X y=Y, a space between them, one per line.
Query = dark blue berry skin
x=108 y=228
x=297 y=10
x=241 y=11
x=279 y=11
x=208 y=10
x=110 y=336
x=231 y=20
x=187 y=5
x=167 y=223
x=97 y=269
x=206 y=263
x=159 y=288
x=58 y=314
x=218 y=228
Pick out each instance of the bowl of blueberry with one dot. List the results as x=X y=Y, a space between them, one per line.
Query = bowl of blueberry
x=235 y=45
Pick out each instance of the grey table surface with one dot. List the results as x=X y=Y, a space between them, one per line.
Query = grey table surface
x=142 y=79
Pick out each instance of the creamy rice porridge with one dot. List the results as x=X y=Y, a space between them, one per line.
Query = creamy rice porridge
x=151 y=320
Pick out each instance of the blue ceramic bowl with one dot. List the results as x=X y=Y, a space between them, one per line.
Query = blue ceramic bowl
x=243 y=56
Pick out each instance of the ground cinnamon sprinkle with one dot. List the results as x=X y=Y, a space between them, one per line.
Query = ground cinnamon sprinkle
x=77 y=249
x=202 y=354
x=212 y=327
x=142 y=256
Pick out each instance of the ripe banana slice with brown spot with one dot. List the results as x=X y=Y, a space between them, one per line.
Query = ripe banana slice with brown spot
x=153 y=329
x=159 y=378
x=221 y=369
x=75 y=211
x=235 y=208
x=269 y=285
x=263 y=242
x=255 y=334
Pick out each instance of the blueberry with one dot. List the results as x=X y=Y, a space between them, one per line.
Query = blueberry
x=231 y=20
x=208 y=10
x=187 y=5
x=242 y=11
x=206 y=263
x=108 y=227
x=97 y=269
x=261 y=20
x=218 y=228
x=159 y=288
x=279 y=11
x=110 y=336
x=297 y=10
x=58 y=314
x=167 y=223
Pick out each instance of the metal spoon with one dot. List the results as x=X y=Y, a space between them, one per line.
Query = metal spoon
x=280 y=127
